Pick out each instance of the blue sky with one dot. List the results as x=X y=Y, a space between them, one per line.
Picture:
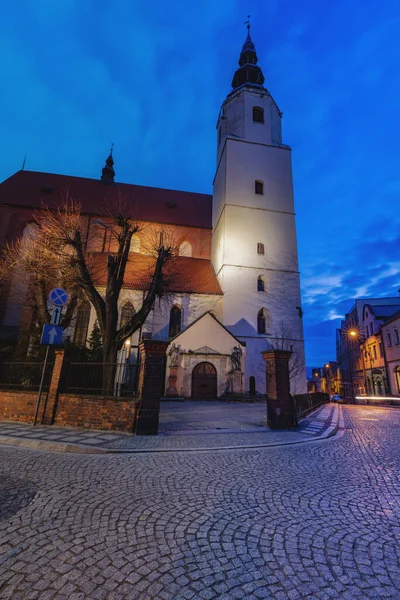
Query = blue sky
x=150 y=77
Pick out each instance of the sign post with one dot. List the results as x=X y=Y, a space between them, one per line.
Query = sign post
x=51 y=334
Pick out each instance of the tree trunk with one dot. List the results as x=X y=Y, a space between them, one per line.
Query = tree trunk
x=109 y=365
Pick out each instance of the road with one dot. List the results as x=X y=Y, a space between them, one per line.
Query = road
x=317 y=521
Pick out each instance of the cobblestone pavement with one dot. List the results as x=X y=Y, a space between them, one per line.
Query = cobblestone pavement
x=317 y=521
x=182 y=425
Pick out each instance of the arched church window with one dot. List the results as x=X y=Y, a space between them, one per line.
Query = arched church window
x=82 y=324
x=260 y=248
x=264 y=321
x=259 y=187
x=175 y=321
x=261 y=284
x=135 y=244
x=258 y=114
x=127 y=313
x=185 y=248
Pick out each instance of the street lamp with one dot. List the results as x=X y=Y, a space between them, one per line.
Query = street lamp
x=353 y=334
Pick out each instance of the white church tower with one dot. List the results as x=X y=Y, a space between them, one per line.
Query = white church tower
x=254 y=249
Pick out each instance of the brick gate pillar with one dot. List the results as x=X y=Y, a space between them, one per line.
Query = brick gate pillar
x=49 y=404
x=151 y=385
x=281 y=410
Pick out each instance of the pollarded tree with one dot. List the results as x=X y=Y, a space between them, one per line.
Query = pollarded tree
x=60 y=248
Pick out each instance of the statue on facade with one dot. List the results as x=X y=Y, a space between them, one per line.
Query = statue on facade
x=173 y=355
x=236 y=357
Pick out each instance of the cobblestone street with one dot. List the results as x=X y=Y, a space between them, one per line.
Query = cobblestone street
x=318 y=520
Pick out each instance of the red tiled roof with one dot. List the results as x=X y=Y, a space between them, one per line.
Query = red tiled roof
x=184 y=274
x=32 y=189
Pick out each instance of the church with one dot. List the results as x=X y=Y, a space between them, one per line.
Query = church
x=235 y=291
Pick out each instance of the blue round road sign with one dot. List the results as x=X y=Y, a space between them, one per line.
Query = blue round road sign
x=58 y=296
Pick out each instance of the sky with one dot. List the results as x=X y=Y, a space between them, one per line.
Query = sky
x=150 y=77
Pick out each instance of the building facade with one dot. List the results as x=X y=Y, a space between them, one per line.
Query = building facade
x=237 y=248
x=361 y=358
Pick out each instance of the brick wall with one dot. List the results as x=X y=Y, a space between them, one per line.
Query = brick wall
x=95 y=413
x=18 y=406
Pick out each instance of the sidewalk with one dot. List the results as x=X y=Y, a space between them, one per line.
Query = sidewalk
x=321 y=424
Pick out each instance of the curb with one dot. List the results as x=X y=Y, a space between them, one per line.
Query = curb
x=337 y=423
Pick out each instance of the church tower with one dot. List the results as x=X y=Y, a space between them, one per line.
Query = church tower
x=254 y=248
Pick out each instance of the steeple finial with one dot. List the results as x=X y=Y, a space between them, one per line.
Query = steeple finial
x=249 y=73
x=108 y=172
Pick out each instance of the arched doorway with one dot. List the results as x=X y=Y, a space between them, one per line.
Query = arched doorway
x=204 y=381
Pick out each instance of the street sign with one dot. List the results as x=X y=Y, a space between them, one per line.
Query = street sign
x=51 y=335
x=58 y=296
x=56 y=315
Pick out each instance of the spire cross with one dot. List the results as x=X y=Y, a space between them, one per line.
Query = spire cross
x=112 y=148
x=247 y=22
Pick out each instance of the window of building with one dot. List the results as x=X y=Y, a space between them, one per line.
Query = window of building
x=135 y=244
x=260 y=284
x=175 y=321
x=264 y=321
x=380 y=349
x=389 y=339
x=396 y=336
x=82 y=324
x=185 y=248
x=259 y=187
x=260 y=248
x=397 y=376
x=127 y=313
x=258 y=114
x=374 y=351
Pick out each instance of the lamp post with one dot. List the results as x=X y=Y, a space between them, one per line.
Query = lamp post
x=353 y=334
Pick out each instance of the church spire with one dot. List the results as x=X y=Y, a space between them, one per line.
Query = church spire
x=108 y=172
x=249 y=73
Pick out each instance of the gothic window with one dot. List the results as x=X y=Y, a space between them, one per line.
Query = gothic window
x=396 y=336
x=175 y=321
x=82 y=324
x=259 y=187
x=258 y=114
x=260 y=284
x=389 y=339
x=127 y=313
x=185 y=248
x=263 y=321
x=135 y=244
x=380 y=349
x=374 y=350
x=260 y=248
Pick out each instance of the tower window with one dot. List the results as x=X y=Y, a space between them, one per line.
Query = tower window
x=258 y=114
x=389 y=339
x=259 y=187
x=396 y=336
x=260 y=284
x=175 y=321
x=260 y=248
x=263 y=321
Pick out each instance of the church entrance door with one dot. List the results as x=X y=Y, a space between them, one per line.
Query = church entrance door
x=204 y=381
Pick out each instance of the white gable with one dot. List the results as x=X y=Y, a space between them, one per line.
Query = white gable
x=206 y=335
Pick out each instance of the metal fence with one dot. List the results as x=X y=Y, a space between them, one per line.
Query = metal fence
x=88 y=378
x=24 y=376
x=307 y=402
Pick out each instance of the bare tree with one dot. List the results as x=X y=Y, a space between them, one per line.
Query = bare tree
x=283 y=339
x=59 y=252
